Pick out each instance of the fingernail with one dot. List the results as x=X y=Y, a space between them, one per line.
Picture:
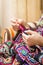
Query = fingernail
x=25 y=33
x=26 y=36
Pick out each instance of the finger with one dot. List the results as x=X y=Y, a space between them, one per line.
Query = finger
x=14 y=22
x=15 y=19
x=25 y=40
x=29 y=32
x=15 y=26
x=32 y=25
x=25 y=36
x=21 y=21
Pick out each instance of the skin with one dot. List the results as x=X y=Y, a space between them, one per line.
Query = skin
x=16 y=23
x=33 y=38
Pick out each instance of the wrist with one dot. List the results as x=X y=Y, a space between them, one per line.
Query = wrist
x=40 y=41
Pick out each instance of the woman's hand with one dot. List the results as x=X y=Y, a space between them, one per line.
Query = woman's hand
x=33 y=38
x=16 y=23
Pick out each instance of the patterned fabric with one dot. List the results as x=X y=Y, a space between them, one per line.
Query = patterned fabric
x=21 y=52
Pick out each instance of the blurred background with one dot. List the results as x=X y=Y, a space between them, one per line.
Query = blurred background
x=30 y=10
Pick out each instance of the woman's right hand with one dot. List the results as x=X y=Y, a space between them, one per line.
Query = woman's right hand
x=33 y=38
x=16 y=23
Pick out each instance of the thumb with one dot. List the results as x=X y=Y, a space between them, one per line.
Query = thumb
x=29 y=32
x=25 y=36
